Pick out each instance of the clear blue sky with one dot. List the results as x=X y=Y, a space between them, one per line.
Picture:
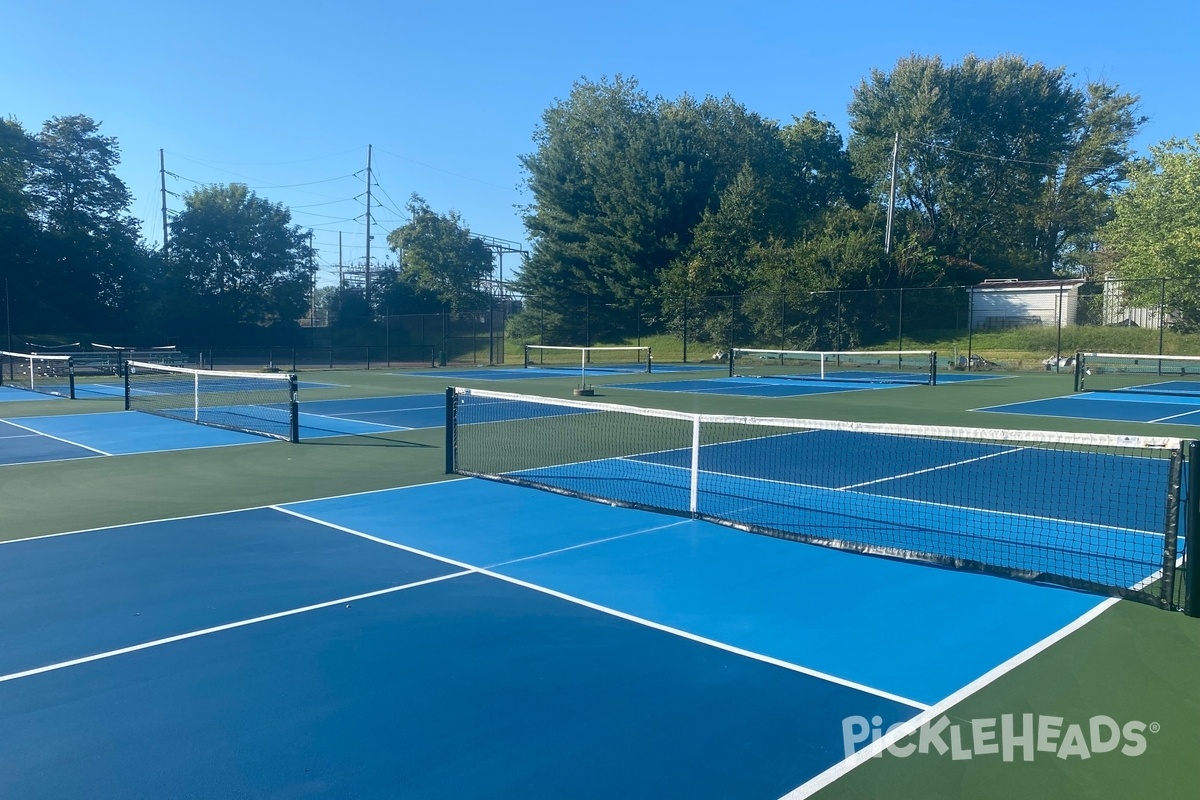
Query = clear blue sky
x=286 y=96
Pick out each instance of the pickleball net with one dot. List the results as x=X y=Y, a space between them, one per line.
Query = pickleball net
x=616 y=358
x=1093 y=512
x=857 y=366
x=260 y=403
x=43 y=373
x=1137 y=373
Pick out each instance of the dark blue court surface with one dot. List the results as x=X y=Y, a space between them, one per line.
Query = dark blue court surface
x=19 y=445
x=1115 y=406
x=361 y=647
x=53 y=438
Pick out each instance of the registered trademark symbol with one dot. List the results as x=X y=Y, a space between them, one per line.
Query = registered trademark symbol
x=1155 y=727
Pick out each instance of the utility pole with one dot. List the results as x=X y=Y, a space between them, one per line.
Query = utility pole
x=887 y=242
x=368 y=262
x=312 y=307
x=162 y=176
x=341 y=277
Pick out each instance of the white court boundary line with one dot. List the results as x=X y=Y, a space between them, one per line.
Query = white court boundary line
x=812 y=673
x=1177 y=416
x=932 y=469
x=57 y=438
x=844 y=767
x=225 y=627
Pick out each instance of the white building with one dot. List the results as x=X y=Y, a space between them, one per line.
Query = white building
x=1000 y=303
x=1117 y=308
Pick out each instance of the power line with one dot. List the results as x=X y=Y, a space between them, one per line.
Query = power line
x=984 y=155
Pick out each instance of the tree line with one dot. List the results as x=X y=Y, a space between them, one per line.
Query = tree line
x=1002 y=168
x=235 y=267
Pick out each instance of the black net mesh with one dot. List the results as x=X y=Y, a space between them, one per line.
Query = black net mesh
x=1087 y=511
x=248 y=402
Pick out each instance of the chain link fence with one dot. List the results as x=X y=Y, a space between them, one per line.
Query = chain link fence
x=1020 y=325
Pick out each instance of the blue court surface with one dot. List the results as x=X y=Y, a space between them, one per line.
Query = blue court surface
x=8 y=394
x=527 y=373
x=54 y=438
x=1116 y=406
x=782 y=387
x=755 y=387
x=471 y=639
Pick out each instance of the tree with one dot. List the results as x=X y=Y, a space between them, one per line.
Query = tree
x=635 y=196
x=91 y=264
x=1006 y=164
x=1155 y=231
x=235 y=260
x=438 y=254
x=19 y=233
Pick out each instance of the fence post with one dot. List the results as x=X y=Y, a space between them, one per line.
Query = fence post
x=1058 y=353
x=491 y=331
x=1162 y=315
x=837 y=345
x=685 y=328
x=587 y=320
x=782 y=321
x=970 y=323
x=900 y=324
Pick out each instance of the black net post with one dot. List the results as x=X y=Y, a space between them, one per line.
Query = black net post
x=294 y=409
x=125 y=373
x=1171 y=528
x=1191 y=603
x=70 y=379
x=933 y=368
x=1079 y=368
x=450 y=430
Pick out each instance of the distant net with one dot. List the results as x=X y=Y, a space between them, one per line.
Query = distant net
x=1093 y=512
x=44 y=373
x=260 y=403
x=1145 y=374
x=861 y=366
x=589 y=359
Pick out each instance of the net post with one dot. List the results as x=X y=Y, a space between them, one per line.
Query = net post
x=694 y=488
x=1079 y=372
x=125 y=373
x=293 y=409
x=649 y=358
x=1166 y=588
x=732 y=371
x=451 y=429
x=526 y=365
x=1191 y=516
x=71 y=378
x=933 y=368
